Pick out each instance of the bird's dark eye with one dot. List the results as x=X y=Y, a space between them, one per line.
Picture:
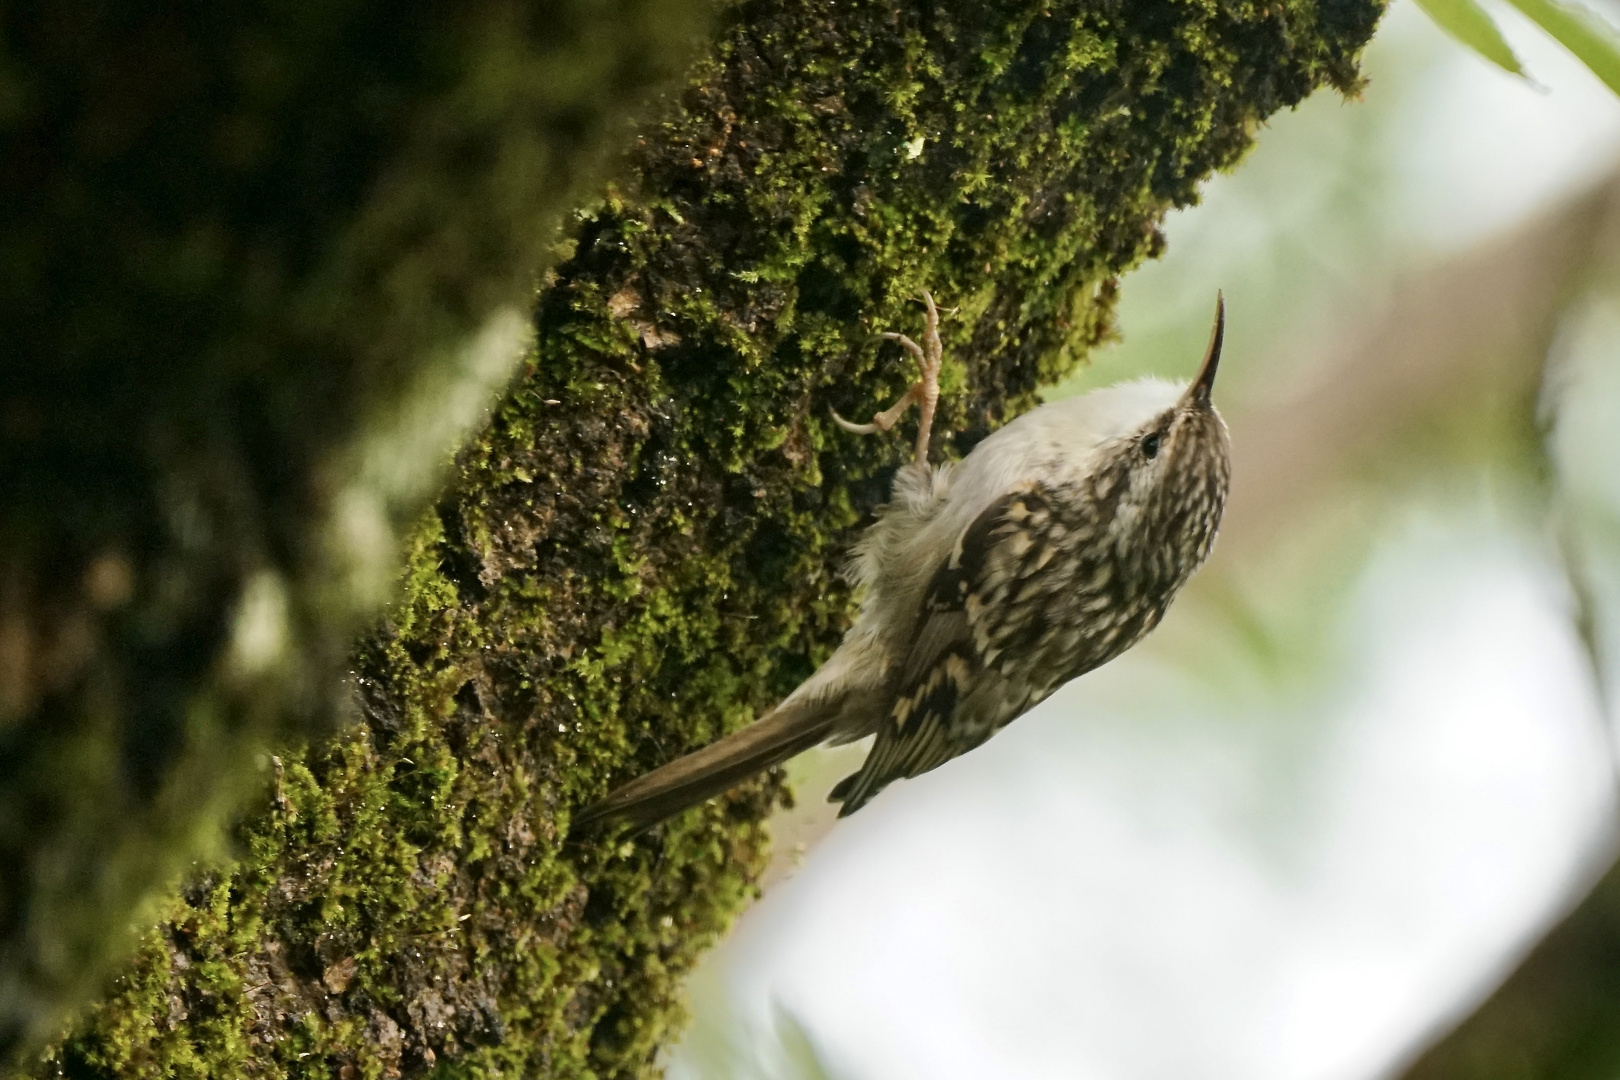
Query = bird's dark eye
x=1150 y=446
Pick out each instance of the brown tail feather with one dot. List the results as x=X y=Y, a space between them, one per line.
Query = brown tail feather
x=720 y=766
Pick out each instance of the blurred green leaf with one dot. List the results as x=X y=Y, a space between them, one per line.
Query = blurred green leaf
x=1466 y=21
x=1583 y=33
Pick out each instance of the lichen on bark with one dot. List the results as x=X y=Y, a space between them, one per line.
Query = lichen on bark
x=640 y=550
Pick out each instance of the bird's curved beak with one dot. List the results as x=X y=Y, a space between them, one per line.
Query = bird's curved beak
x=1198 y=393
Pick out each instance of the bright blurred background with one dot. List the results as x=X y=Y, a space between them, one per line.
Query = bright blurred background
x=1364 y=763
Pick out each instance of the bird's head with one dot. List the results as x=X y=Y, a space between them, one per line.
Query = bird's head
x=1161 y=477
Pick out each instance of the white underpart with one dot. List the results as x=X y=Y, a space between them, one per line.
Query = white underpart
x=897 y=556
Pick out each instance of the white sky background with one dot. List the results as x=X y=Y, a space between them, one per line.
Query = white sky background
x=1152 y=877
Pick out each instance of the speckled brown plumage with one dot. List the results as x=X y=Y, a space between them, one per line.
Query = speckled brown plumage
x=1041 y=589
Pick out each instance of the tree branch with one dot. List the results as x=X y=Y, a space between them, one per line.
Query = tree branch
x=639 y=552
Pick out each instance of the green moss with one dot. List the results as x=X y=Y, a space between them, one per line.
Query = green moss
x=640 y=550
x=253 y=264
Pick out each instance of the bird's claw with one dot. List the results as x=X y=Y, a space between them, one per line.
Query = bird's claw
x=886 y=419
x=854 y=428
x=924 y=392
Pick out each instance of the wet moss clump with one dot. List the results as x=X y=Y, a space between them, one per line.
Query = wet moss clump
x=639 y=552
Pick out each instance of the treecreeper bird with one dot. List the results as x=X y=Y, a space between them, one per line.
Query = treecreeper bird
x=1051 y=548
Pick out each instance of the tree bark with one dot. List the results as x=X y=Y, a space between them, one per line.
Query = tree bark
x=639 y=551
x=244 y=249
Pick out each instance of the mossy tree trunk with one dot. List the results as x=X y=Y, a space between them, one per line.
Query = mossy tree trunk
x=245 y=249
x=639 y=552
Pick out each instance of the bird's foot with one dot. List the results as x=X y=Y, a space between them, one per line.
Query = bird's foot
x=925 y=391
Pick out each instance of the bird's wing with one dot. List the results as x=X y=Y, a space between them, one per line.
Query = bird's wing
x=949 y=698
